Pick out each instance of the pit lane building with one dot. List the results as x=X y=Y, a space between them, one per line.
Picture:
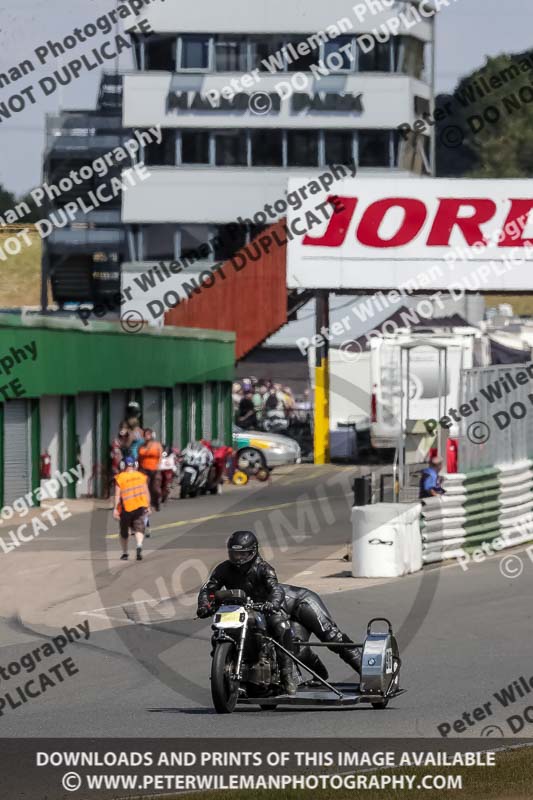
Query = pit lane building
x=246 y=97
x=65 y=387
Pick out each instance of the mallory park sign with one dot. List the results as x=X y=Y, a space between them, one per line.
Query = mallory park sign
x=212 y=101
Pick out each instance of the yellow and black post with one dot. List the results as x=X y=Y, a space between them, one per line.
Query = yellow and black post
x=321 y=412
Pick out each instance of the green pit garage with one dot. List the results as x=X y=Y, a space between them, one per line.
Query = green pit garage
x=66 y=387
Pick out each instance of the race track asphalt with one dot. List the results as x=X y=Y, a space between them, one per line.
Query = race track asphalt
x=463 y=635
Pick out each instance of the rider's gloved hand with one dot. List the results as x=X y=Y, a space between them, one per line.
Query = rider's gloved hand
x=204 y=611
x=269 y=608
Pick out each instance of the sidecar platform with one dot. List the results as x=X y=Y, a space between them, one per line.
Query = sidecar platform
x=349 y=695
x=380 y=676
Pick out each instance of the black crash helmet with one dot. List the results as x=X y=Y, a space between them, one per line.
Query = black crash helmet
x=242 y=547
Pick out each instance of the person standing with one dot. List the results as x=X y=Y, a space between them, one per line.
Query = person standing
x=246 y=416
x=430 y=480
x=257 y=400
x=132 y=503
x=149 y=459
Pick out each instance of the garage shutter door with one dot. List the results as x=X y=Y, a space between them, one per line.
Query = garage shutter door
x=207 y=433
x=85 y=432
x=177 y=395
x=223 y=394
x=17 y=459
x=153 y=410
x=117 y=410
x=192 y=413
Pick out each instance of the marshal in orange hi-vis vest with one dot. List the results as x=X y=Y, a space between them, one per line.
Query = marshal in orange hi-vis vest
x=150 y=455
x=133 y=490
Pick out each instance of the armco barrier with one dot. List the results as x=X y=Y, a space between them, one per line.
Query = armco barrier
x=479 y=507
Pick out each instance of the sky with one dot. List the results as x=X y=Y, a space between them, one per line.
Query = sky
x=467 y=32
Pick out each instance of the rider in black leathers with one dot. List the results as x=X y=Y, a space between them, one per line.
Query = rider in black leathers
x=246 y=570
x=310 y=615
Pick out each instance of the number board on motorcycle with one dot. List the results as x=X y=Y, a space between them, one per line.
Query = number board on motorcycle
x=230 y=617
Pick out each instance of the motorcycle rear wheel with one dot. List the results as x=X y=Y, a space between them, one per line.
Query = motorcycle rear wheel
x=185 y=486
x=224 y=691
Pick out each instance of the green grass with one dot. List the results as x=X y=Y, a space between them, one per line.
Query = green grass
x=20 y=275
x=509 y=779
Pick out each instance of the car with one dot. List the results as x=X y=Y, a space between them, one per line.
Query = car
x=259 y=449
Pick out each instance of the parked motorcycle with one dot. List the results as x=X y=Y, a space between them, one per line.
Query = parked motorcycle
x=222 y=462
x=168 y=466
x=275 y=421
x=196 y=470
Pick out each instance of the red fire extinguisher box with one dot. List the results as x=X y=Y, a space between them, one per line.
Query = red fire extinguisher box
x=452 y=448
x=45 y=466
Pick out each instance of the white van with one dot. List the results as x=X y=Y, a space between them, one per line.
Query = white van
x=428 y=363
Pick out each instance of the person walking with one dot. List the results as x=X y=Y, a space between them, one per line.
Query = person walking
x=132 y=503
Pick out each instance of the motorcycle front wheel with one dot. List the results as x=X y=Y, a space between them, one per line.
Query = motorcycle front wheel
x=224 y=690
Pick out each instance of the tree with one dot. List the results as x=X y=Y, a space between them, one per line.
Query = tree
x=35 y=214
x=7 y=200
x=491 y=110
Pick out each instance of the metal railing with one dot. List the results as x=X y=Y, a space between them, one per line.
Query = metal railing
x=498 y=426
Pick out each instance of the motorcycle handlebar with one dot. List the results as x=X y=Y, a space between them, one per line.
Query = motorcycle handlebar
x=265 y=607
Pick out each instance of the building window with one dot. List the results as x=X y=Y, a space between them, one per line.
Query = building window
x=409 y=56
x=231 y=54
x=266 y=49
x=306 y=56
x=338 y=147
x=194 y=242
x=374 y=149
x=341 y=62
x=397 y=142
x=302 y=148
x=228 y=239
x=194 y=52
x=163 y=154
x=231 y=149
x=195 y=147
x=267 y=148
x=160 y=52
x=256 y=230
x=138 y=50
x=377 y=60
x=158 y=242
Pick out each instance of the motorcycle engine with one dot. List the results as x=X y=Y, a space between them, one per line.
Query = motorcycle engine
x=259 y=673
